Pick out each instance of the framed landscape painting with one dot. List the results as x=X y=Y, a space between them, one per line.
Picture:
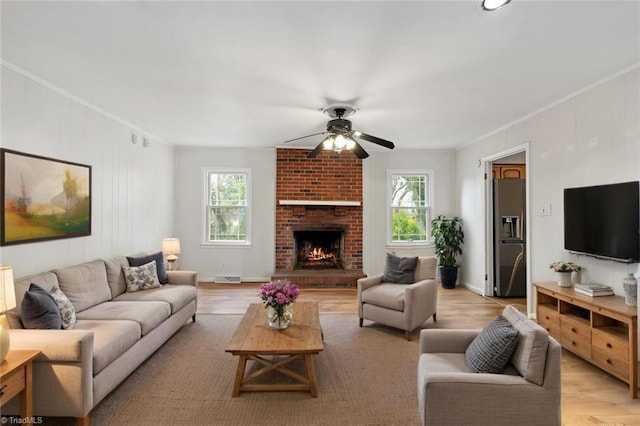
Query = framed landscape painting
x=43 y=198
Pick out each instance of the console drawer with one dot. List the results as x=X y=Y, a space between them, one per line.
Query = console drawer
x=616 y=366
x=549 y=319
x=610 y=344
x=575 y=336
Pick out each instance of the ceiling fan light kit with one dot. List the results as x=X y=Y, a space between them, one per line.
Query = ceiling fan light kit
x=341 y=136
x=491 y=5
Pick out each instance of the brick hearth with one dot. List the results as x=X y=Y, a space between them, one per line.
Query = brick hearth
x=320 y=184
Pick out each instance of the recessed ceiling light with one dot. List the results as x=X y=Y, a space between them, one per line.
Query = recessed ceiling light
x=491 y=5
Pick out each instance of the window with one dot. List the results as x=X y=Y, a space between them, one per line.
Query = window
x=227 y=206
x=409 y=206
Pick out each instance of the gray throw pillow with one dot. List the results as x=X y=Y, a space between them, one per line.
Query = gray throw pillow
x=492 y=348
x=400 y=270
x=143 y=260
x=39 y=310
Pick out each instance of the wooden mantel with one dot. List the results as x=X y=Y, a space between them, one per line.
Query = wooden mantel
x=318 y=203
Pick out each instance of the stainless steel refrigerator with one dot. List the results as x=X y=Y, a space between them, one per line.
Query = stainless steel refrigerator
x=509 y=238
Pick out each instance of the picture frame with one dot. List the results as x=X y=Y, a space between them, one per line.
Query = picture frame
x=43 y=198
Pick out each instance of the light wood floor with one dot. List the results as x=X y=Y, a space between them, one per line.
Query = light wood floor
x=589 y=395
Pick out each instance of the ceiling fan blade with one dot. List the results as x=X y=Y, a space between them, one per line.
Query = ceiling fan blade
x=359 y=151
x=316 y=150
x=373 y=139
x=303 y=137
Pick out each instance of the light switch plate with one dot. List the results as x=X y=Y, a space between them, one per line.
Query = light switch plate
x=545 y=210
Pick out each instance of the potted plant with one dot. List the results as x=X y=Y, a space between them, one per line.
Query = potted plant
x=564 y=270
x=448 y=238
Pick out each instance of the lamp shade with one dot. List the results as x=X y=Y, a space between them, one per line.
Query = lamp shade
x=171 y=246
x=7 y=291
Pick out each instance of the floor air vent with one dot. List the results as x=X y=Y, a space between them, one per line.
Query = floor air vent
x=228 y=279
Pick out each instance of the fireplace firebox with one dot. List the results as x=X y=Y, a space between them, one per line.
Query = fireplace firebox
x=318 y=249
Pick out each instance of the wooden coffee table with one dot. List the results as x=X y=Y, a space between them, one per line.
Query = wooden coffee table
x=253 y=339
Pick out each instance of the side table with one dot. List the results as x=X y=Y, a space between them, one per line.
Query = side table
x=16 y=377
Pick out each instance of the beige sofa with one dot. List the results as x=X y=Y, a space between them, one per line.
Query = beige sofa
x=114 y=333
x=528 y=392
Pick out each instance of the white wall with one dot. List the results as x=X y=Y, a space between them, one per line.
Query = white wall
x=592 y=138
x=132 y=194
x=375 y=199
x=254 y=262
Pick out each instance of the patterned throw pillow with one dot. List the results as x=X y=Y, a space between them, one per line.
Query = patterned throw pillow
x=141 y=277
x=67 y=311
x=492 y=348
x=143 y=260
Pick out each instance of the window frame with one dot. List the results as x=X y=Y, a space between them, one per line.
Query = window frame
x=206 y=207
x=428 y=207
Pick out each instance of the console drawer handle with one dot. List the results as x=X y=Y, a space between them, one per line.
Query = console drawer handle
x=2 y=390
x=573 y=343
x=573 y=330
x=609 y=361
x=609 y=345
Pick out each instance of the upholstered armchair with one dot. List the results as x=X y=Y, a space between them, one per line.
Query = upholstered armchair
x=402 y=306
x=527 y=392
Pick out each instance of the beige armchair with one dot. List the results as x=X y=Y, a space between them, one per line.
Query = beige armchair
x=403 y=306
x=526 y=393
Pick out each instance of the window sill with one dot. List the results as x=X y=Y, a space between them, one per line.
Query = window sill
x=226 y=244
x=410 y=244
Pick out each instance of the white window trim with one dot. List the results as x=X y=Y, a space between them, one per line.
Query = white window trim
x=390 y=173
x=205 y=207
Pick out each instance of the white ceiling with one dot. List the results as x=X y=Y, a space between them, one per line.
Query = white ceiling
x=424 y=74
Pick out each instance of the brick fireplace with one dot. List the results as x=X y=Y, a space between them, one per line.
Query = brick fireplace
x=318 y=218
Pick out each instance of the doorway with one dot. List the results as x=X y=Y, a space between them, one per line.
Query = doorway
x=507 y=227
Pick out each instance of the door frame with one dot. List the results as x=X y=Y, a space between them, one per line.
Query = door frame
x=488 y=197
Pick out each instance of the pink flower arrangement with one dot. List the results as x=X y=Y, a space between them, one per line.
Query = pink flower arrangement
x=278 y=294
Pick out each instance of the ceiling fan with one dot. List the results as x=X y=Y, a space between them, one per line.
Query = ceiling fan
x=341 y=136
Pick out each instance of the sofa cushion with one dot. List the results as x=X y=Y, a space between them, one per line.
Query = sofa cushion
x=400 y=270
x=39 y=310
x=85 y=284
x=178 y=296
x=426 y=268
x=111 y=338
x=530 y=356
x=141 y=277
x=492 y=348
x=148 y=314
x=115 y=275
x=389 y=296
x=67 y=312
x=46 y=280
x=141 y=260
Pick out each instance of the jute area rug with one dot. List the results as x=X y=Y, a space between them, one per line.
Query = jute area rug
x=366 y=376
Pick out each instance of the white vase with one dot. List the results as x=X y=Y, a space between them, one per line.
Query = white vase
x=630 y=286
x=564 y=279
x=4 y=343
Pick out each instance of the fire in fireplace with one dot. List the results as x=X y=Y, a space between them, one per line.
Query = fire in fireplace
x=318 y=249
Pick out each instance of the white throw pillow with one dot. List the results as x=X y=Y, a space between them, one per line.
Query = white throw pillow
x=141 y=277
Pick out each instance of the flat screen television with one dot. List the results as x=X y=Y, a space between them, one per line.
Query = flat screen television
x=603 y=221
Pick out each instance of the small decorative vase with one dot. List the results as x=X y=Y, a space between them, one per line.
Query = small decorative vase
x=279 y=322
x=630 y=286
x=564 y=279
